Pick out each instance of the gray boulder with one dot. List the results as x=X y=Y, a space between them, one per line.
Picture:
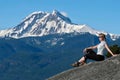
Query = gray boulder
x=108 y=69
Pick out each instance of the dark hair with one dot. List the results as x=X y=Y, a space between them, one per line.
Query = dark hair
x=102 y=35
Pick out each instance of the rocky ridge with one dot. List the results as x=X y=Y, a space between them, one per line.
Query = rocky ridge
x=104 y=70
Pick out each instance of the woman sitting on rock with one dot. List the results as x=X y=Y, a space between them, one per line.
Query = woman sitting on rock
x=90 y=54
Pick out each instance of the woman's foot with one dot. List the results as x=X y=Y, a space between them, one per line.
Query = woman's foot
x=77 y=64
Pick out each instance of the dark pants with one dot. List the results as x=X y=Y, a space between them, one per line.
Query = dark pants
x=90 y=54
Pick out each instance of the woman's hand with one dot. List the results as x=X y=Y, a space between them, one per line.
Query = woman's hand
x=114 y=55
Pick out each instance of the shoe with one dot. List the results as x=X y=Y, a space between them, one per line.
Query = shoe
x=77 y=64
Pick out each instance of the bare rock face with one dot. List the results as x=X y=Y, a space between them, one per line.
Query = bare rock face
x=103 y=70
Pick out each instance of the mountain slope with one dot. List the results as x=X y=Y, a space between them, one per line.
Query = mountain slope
x=105 y=70
x=40 y=55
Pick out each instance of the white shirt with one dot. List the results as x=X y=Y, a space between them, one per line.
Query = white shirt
x=100 y=48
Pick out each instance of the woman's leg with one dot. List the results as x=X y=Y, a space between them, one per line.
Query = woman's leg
x=82 y=59
x=92 y=55
x=88 y=53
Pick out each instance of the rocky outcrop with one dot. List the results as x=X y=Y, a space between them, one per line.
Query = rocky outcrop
x=108 y=69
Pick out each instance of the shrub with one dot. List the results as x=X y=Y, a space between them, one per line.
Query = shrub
x=115 y=49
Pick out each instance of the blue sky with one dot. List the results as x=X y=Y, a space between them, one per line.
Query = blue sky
x=99 y=14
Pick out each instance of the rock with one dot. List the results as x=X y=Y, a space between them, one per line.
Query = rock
x=108 y=69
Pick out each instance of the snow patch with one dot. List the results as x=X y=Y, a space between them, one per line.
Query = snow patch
x=62 y=43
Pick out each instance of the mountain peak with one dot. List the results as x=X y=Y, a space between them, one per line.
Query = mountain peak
x=43 y=23
x=58 y=14
x=55 y=12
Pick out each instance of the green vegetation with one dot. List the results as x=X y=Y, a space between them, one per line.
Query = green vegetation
x=115 y=49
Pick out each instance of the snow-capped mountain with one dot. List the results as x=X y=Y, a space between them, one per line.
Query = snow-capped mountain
x=40 y=54
x=43 y=23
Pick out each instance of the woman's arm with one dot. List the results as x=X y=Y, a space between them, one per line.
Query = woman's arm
x=92 y=47
x=108 y=49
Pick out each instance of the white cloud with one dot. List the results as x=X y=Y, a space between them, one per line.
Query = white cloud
x=64 y=13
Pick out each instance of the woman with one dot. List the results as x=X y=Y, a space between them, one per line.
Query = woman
x=90 y=54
